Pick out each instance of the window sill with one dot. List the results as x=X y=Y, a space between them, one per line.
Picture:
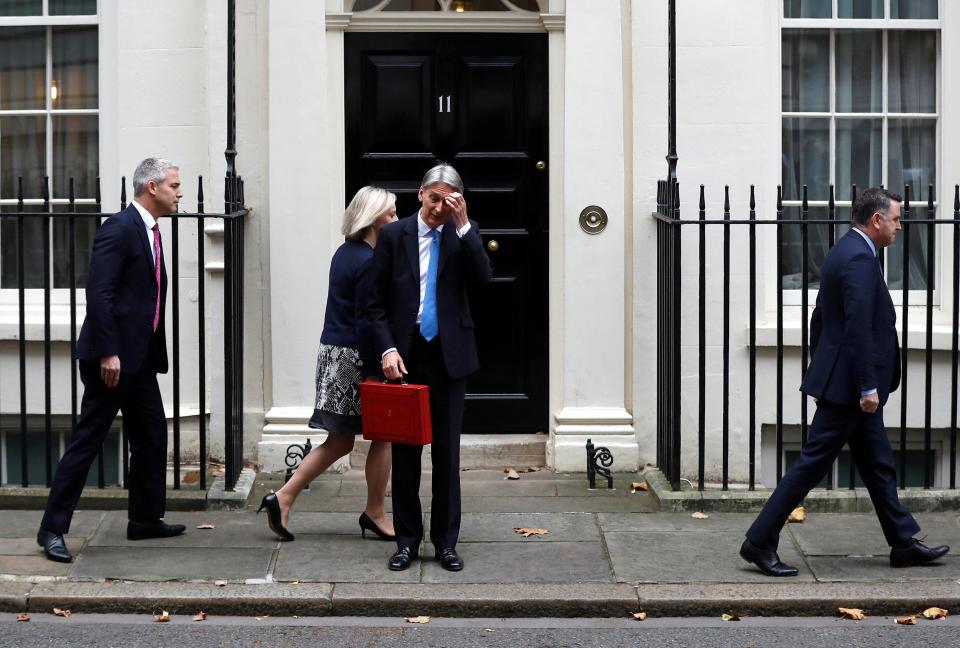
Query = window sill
x=942 y=335
x=59 y=322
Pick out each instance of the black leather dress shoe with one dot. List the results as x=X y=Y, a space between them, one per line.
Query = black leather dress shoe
x=916 y=554
x=53 y=545
x=158 y=529
x=401 y=559
x=768 y=561
x=449 y=559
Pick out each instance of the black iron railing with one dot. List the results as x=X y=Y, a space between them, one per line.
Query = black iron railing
x=233 y=220
x=670 y=264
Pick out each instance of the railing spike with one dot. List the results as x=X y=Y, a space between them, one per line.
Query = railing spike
x=930 y=200
x=73 y=193
x=123 y=192
x=726 y=197
x=46 y=192
x=97 y=191
x=853 y=193
x=906 y=197
x=956 y=197
x=200 y=191
x=830 y=203
x=779 y=197
x=805 y=206
x=703 y=200
x=753 y=198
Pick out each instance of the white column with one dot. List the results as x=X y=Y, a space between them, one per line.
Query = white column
x=590 y=282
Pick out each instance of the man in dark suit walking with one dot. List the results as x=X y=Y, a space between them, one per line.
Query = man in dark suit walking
x=854 y=366
x=121 y=349
x=421 y=324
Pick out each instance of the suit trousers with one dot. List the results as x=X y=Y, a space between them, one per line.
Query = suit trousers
x=833 y=425
x=138 y=396
x=425 y=366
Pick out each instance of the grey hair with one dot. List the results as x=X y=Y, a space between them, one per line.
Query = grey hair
x=443 y=173
x=154 y=169
x=367 y=205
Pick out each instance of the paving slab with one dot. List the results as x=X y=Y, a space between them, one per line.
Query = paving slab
x=508 y=488
x=690 y=558
x=831 y=534
x=335 y=559
x=536 y=562
x=322 y=523
x=178 y=598
x=557 y=504
x=13 y=596
x=877 y=569
x=175 y=563
x=675 y=523
x=233 y=529
x=22 y=524
x=498 y=527
x=28 y=566
x=486 y=600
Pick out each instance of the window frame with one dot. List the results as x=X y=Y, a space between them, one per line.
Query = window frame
x=58 y=296
x=918 y=298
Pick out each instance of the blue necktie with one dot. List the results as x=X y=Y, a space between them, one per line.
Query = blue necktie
x=428 y=321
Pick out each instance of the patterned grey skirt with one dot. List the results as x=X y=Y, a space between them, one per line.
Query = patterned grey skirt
x=337 y=407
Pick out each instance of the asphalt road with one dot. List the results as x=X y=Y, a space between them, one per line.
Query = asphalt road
x=124 y=631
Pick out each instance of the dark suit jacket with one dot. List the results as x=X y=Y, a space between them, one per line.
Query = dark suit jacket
x=394 y=296
x=853 y=333
x=121 y=297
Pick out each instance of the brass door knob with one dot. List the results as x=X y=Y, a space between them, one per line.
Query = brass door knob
x=492 y=245
x=541 y=165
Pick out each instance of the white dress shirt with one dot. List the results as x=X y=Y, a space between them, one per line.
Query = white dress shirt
x=149 y=221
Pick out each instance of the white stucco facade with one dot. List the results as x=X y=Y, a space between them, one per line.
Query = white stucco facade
x=163 y=92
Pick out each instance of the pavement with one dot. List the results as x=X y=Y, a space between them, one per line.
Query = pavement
x=605 y=554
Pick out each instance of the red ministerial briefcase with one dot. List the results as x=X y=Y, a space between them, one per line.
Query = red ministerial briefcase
x=395 y=412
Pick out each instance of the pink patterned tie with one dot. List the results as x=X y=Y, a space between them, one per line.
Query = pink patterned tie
x=156 y=272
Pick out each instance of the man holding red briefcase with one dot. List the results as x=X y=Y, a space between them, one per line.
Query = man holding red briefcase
x=420 y=322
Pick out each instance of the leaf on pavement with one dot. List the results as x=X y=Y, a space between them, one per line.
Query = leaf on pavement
x=640 y=616
x=59 y=612
x=730 y=616
x=798 y=514
x=220 y=583
x=699 y=515
x=191 y=477
x=418 y=619
x=854 y=614
x=935 y=613
x=638 y=486
x=216 y=473
x=23 y=616
x=163 y=617
x=200 y=616
x=206 y=526
x=910 y=619
x=511 y=473
x=489 y=630
x=526 y=533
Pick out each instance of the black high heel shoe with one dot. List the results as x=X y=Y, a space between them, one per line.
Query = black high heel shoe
x=367 y=523
x=272 y=504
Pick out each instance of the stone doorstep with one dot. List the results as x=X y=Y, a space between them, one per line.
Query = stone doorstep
x=474 y=600
x=477 y=451
x=819 y=500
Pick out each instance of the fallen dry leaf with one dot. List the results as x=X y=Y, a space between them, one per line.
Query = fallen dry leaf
x=295 y=583
x=418 y=619
x=220 y=583
x=511 y=473
x=730 y=616
x=489 y=630
x=854 y=614
x=635 y=486
x=59 y=612
x=798 y=514
x=526 y=533
x=200 y=616
x=910 y=619
x=295 y=616
x=191 y=477
x=23 y=616
x=640 y=616
x=935 y=613
x=216 y=473
x=699 y=515
x=206 y=526
x=163 y=617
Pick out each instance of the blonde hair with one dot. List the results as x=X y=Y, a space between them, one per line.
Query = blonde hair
x=368 y=204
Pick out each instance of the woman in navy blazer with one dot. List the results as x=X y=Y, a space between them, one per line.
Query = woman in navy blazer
x=344 y=350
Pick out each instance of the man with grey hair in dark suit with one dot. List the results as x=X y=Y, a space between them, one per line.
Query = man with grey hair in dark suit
x=121 y=349
x=420 y=323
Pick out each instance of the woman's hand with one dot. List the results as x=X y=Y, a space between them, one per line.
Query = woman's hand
x=393 y=367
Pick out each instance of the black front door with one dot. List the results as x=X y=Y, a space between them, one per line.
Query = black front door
x=479 y=102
